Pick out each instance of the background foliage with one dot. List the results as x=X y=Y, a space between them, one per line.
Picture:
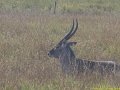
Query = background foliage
x=29 y=29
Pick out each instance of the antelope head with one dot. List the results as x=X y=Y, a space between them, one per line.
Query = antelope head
x=62 y=49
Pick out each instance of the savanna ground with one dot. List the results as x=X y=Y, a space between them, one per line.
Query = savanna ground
x=29 y=29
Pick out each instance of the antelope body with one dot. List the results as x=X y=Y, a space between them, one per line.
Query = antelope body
x=70 y=63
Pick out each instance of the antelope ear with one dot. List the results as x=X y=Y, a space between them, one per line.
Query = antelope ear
x=71 y=43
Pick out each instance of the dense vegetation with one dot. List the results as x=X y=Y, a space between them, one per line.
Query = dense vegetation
x=78 y=6
x=29 y=29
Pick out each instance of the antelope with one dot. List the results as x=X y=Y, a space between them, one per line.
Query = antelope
x=69 y=63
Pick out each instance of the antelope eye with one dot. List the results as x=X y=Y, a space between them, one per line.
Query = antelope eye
x=55 y=48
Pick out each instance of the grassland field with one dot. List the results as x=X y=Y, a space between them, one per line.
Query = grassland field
x=29 y=29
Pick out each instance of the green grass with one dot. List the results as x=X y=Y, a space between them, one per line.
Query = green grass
x=26 y=37
x=78 y=6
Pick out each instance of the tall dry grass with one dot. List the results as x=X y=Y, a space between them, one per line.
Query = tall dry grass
x=26 y=38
